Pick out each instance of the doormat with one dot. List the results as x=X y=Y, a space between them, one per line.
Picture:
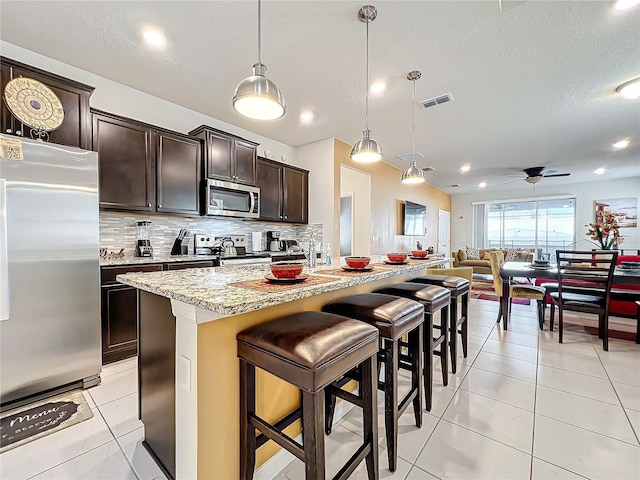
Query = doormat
x=483 y=289
x=28 y=423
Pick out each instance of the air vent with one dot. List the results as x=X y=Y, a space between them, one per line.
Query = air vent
x=407 y=157
x=439 y=100
x=428 y=169
x=455 y=185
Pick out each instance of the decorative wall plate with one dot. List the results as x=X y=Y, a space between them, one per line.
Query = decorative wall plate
x=34 y=104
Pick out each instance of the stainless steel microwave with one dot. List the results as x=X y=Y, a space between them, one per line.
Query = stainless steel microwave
x=232 y=199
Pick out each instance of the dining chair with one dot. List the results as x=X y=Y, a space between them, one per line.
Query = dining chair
x=527 y=292
x=584 y=285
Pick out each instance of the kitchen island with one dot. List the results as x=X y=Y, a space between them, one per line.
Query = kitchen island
x=188 y=368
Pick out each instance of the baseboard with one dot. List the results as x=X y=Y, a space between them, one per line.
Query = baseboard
x=280 y=460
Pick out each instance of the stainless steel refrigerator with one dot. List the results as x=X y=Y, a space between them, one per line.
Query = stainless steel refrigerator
x=49 y=269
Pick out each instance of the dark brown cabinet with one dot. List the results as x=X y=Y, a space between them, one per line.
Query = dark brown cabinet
x=284 y=192
x=227 y=157
x=144 y=168
x=74 y=96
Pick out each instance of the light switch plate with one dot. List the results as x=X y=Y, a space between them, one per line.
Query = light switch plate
x=184 y=373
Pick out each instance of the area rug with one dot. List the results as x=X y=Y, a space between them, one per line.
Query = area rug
x=483 y=289
x=28 y=423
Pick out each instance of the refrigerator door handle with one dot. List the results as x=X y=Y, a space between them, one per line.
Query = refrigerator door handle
x=4 y=255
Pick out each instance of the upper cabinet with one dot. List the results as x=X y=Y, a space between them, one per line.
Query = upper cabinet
x=144 y=168
x=75 y=130
x=284 y=192
x=227 y=157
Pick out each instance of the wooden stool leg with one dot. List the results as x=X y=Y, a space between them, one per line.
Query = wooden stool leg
x=560 y=324
x=391 y=400
x=428 y=360
x=329 y=410
x=465 y=324
x=444 y=359
x=638 y=323
x=368 y=393
x=605 y=331
x=453 y=332
x=415 y=339
x=247 y=431
x=313 y=434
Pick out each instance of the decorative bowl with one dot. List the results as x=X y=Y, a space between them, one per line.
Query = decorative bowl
x=419 y=253
x=286 y=269
x=397 y=257
x=357 y=262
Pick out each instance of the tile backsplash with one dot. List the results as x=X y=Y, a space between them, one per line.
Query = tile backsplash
x=118 y=230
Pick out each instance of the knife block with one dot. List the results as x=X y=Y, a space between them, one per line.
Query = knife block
x=178 y=248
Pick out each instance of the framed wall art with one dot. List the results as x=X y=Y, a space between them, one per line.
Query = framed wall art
x=624 y=209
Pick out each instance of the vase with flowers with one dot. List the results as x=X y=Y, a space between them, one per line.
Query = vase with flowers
x=606 y=231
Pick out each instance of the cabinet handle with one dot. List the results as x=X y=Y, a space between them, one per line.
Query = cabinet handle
x=148 y=205
x=285 y=217
x=280 y=217
x=159 y=206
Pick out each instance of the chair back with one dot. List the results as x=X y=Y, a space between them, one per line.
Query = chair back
x=496 y=258
x=586 y=271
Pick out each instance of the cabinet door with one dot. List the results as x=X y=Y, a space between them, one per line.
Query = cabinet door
x=119 y=322
x=75 y=128
x=245 y=162
x=296 y=196
x=270 y=183
x=125 y=164
x=219 y=156
x=178 y=163
x=183 y=265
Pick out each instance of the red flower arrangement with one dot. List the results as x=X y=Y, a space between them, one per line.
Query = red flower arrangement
x=606 y=232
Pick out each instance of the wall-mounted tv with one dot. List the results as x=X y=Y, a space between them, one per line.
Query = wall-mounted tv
x=415 y=219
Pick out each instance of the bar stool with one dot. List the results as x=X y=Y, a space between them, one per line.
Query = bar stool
x=433 y=299
x=309 y=350
x=394 y=317
x=459 y=289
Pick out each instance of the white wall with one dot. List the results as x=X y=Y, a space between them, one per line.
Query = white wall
x=359 y=183
x=585 y=194
x=117 y=98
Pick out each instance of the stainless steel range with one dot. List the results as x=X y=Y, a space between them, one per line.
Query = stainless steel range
x=232 y=249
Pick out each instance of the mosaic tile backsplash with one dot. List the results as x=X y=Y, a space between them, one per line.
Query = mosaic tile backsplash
x=118 y=230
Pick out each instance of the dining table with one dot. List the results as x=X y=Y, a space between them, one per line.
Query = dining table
x=511 y=270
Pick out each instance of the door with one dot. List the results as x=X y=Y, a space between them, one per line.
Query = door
x=444 y=232
x=50 y=328
x=245 y=162
x=269 y=181
x=219 y=156
x=296 y=196
x=178 y=164
x=346 y=224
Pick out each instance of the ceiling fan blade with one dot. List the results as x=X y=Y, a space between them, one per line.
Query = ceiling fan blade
x=557 y=175
x=514 y=181
x=517 y=176
x=547 y=172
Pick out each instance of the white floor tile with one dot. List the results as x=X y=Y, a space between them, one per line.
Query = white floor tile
x=499 y=387
x=441 y=397
x=583 y=385
x=546 y=471
x=528 y=328
x=623 y=369
x=47 y=452
x=121 y=415
x=599 y=417
x=572 y=344
x=479 y=330
x=510 y=367
x=583 y=452
x=115 y=386
x=476 y=342
x=103 y=463
x=456 y=452
x=483 y=320
x=629 y=395
x=574 y=363
x=634 y=418
x=512 y=350
x=144 y=466
x=119 y=366
x=517 y=338
x=419 y=474
x=504 y=423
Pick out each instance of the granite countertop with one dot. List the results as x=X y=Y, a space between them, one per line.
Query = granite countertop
x=210 y=288
x=157 y=259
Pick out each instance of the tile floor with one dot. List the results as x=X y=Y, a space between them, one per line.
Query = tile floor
x=521 y=406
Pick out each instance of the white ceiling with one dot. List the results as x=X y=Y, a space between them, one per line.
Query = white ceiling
x=533 y=86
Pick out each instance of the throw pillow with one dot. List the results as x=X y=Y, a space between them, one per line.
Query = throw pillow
x=522 y=255
x=462 y=255
x=486 y=256
x=472 y=253
x=512 y=254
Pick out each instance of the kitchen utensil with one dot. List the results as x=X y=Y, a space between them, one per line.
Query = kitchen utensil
x=256 y=241
x=228 y=248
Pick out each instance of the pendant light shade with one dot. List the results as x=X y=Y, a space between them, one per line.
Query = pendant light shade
x=413 y=174
x=367 y=150
x=256 y=96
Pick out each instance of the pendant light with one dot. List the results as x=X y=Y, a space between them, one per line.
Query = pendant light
x=256 y=96
x=367 y=150
x=413 y=174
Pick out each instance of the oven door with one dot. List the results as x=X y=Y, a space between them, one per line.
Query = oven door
x=232 y=199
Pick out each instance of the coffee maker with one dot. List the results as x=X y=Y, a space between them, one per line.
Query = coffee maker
x=273 y=241
x=143 y=236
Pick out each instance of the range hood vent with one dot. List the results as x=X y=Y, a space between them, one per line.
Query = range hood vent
x=407 y=157
x=439 y=100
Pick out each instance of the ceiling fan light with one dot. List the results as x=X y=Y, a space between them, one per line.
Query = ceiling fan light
x=412 y=175
x=366 y=150
x=630 y=89
x=258 y=97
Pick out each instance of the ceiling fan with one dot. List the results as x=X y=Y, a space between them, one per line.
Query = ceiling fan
x=535 y=174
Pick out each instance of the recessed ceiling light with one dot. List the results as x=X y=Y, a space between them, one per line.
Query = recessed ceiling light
x=600 y=170
x=630 y=89
x=621 y=144
x=465 y=168
x=626 y=4
x=482 y=184
x=154 y=38
x=306 y=116
x=378 y=87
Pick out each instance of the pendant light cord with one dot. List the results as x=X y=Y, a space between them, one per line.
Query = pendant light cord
x=366 y=115
x=259 y=30
x=413 y=139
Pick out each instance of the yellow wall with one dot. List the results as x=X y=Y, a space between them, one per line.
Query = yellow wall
x=387 y=197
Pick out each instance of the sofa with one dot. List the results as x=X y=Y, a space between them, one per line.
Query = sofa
x=483 y=266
